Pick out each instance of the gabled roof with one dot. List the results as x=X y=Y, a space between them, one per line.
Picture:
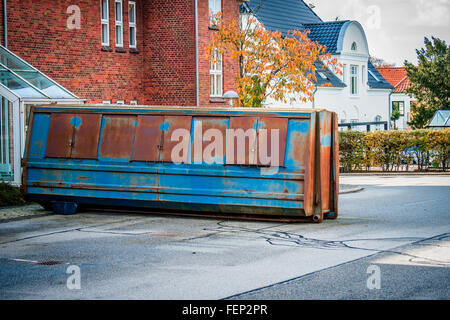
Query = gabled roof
x=282 y=15
x=441 y=119
x=326 y=33
x=396 y=76
x=376 y=80
x=285 y=15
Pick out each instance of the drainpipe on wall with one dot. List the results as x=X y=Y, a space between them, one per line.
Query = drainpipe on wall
x=5 y=26
x=197 y=93
x=314 y=97
x=390 y=109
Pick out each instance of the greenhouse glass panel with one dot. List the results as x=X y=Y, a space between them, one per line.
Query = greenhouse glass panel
x=18 y=85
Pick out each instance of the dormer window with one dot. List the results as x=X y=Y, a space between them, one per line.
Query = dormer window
x=354 y=46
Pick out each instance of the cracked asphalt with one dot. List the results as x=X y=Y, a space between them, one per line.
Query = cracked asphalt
x=399 y=224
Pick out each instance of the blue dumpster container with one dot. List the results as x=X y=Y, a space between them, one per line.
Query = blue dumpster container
x=263 y=163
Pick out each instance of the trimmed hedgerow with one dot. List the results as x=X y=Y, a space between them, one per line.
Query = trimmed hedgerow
x=394 y=150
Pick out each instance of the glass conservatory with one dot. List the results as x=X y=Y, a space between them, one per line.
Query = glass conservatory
x=21 y=86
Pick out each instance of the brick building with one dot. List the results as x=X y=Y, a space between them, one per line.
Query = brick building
x=149 y=52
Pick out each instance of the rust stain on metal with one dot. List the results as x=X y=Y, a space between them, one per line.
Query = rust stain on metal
x=266 y=147
x=169 y=125
x=60 y=135
x=207 y=124
x=148 y=138
x=85 y=144
x=248 y=155
x=117 y=136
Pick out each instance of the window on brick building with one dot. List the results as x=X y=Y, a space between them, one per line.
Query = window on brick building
x=215 y=6
x=105 y=22
x=119 y=23
x=132 y=23
x=216 y=76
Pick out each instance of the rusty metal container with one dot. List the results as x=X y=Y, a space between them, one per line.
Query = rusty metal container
x=136 y=158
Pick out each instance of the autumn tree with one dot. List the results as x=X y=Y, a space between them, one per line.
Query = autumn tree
x=270 y=64
x=429 y=81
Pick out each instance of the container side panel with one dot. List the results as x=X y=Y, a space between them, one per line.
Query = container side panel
x=177 y=133
x=148 y=138
x=335 y=164
x=60 y=136
x=87 y=132
x=270 y=148
x=297 y=144
x=39 y=135
x=208 y=140
x=213 y=186
x=325 y=159
x=309 y=150
x=241 y=141
x=117 y=137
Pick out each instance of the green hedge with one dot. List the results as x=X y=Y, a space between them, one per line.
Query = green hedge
x=10 y=195
x=394 y=150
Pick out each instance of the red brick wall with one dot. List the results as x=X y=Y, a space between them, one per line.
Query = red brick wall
x=37 y=32
x=169 y=60
x=230 y=10
x=162 y=72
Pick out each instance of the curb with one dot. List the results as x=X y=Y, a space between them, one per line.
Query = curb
x=394 y=174
x=354 y=190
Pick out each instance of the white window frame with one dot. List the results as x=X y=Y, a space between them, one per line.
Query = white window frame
x=215 y=6
x=363 y=75
x=104 y=22
x=344 y=73
x=216 y=76
x=354 y=79
x=118 y=23
x=132 y=24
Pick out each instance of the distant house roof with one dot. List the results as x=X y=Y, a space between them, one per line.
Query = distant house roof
x=285 y=15
x=441 y=119
x=396 y=76
x=376 y=80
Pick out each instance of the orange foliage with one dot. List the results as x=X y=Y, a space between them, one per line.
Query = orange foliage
x=271 y=65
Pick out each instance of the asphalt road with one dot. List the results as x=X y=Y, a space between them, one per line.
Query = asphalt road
x=392 y=241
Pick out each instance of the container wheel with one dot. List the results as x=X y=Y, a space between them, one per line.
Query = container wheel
x=65 y=208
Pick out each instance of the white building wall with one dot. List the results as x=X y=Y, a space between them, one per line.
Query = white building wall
x=367 y=105
x=402 y=123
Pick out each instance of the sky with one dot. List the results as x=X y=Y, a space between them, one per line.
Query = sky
x=394 y=28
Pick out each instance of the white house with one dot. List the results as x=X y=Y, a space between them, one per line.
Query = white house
x=400 y=100
x=361 y=94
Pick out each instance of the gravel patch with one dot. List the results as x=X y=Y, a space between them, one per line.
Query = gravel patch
x=21 y=212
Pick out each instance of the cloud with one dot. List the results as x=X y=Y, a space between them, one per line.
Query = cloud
x=394 y=28
x=431 y=13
